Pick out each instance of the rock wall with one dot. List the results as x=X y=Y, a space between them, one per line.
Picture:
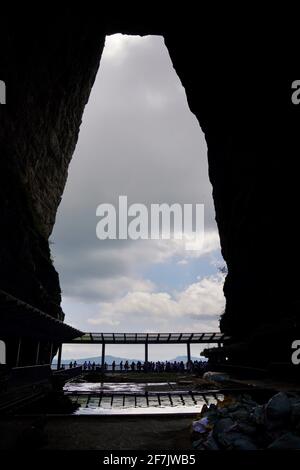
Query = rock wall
x=252 y=130
x=49 y=60
x=49 y=69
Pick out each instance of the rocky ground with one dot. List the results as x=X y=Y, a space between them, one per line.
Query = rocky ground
x=242 y=424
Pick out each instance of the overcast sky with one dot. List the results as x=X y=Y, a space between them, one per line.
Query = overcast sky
x=138 y=138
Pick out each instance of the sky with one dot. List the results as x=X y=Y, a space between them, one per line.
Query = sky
x=137 y=138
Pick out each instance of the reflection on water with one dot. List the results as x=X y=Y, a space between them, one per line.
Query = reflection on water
x=135 y=398
x=117 y=386
x=139 y=411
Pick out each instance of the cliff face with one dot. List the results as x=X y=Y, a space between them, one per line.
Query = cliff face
x=251 y=129
x=49 y=69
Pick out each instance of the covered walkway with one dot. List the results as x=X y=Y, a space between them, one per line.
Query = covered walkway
x=22 y=323
x=148 y=338
x=31 y=338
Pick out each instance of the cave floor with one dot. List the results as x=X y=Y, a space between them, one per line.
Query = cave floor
x=112 y=432
x=98 y=433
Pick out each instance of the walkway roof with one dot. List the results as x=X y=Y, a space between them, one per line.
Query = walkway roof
x=150 y=338
x=19 y=320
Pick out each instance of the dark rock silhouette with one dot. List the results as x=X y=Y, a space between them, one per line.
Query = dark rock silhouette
x=49 y=61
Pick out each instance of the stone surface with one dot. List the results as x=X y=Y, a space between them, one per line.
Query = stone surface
x=286 y=442
x=216 y=376
x=249 y=426
x=221 y=426
x=47 y=89
x=278 y=409
x=242 y=443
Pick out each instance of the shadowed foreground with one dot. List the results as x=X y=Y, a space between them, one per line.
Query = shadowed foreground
x=94 y=433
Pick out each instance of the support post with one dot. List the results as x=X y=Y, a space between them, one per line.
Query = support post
x=18 y=353
x=103 y=357
x=59 y=357
x=188 y=348
x=51 y=351
x=37 y=354
x=146 y=353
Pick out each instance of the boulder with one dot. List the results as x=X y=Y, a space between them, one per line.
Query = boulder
x=247 y=429
x=201 y=426
x=241 y=414
x=216 y=376
x=287 y=441
x=258 y=415
x=222 y=426
x=278 y=410
x=211 y=443
x=243 y=443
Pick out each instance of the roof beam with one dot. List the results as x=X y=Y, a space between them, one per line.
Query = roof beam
x=150 y=338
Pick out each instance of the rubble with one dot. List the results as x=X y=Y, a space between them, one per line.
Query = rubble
x=240 y=423
x=216 y=376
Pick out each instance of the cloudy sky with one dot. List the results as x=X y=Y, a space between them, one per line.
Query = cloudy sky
x=138 y=138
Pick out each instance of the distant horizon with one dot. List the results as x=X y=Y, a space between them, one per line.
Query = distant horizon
x=108 y=358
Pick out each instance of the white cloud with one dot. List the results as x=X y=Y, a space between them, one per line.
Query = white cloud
x=138 y=138
x=182 y=262
x=104 y=321
x=102 y=288
x=203 y=297
x=156 y=100
x=202 y=301
x=111 y=269
x=115 y=47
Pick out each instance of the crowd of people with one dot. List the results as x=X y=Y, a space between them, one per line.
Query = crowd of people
x=159 y=366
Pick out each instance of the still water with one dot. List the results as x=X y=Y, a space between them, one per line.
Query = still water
x=136 y=398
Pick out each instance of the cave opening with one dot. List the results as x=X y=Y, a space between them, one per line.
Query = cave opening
x=138 y=138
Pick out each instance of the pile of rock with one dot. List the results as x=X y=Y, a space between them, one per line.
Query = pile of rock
x=242 y=424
